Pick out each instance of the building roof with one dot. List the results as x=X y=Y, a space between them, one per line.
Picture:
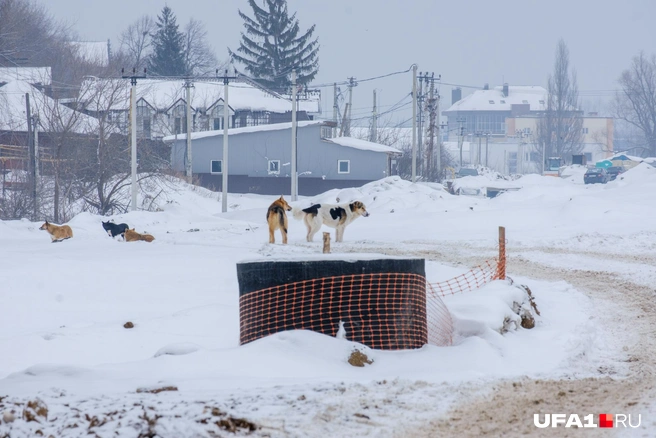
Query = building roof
x=494 y=100
x=161 y=94
x=237 y=131
x=341 y=141
x=365 y=145
x=13 y=111
x=33 y=75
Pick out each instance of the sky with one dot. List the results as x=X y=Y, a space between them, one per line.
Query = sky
x=468 y=43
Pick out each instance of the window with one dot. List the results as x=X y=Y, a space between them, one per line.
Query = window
x=326 y=132
x=343 y=166
x=216 y=166
x=491 y=102
x=585 y=130
x=502 y=101
x=524 y=101
x=274 y=167
x=146 y=128
x=541 y=102
x=217 y=124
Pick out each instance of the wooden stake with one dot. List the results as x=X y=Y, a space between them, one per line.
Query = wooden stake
x=502 y=253
x=326 y=243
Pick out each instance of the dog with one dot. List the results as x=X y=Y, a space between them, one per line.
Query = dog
x=57 y=233
x=114 y=230
x=132 y=236
x=334 y=216
x=277 y=219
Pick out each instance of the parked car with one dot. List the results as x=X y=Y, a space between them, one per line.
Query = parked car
x=614 y=171
x=466 y=171
x=596 y=175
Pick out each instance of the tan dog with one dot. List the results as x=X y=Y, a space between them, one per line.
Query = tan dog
x=334 y=216
x=57 y=232
x=277 y=219
x=133 y=236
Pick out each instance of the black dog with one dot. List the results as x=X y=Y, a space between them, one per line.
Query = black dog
x=114 y=230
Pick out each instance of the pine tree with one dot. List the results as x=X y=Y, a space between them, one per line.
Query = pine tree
x=168 y=47
x=271 y=46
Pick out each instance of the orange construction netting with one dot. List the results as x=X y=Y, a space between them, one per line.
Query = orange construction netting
x=388 y=311
x=440 y=324
x=381 y=310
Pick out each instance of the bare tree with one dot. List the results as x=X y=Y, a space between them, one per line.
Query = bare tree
x=560 y=127
x=636 y=103
x=136 y=42
x=198 y=55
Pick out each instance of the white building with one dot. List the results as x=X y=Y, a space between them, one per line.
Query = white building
x=162 y=105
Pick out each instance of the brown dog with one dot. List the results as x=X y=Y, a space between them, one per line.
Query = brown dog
x=277 y=219
x=57 y=232
x=133 y=236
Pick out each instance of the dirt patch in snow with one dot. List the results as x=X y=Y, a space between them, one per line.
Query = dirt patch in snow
x=629 y=315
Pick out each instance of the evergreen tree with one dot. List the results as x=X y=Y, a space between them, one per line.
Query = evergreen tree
x=271 y=46
x=168 y=57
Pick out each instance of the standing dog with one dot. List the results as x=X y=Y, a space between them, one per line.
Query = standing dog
x=132 y=236
x=334 y=216
x=114 y=230
x=57 y=232
x=277 y=219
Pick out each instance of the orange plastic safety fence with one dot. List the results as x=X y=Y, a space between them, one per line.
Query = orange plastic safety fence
x=473 y=279
x=440 y=324
x=381 y=310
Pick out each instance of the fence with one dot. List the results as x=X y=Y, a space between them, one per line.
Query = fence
x=440 y=324
x=383 y=310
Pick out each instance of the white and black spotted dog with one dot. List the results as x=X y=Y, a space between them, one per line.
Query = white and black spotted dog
x=334 y=216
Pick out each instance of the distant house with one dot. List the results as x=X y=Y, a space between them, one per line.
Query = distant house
x=486 y=110
x=162 y=105
x=37 y=76
x=500 y=125
x=259 y=159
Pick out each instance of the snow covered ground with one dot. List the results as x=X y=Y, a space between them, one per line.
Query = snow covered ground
x=64 y=306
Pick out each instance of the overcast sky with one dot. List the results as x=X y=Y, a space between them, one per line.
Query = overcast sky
x=467 y=42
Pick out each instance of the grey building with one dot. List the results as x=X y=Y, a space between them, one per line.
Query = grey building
x=259 y=159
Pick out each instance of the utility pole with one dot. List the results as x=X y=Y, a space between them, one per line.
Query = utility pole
x=414 y=123
x=431 y=128
x=438 y=155
x=224 y=162
x=189 y=168
x=461 y=137
x=487 y=143
x=35 y=165
x=478 y=157
x=344 y=121
x=335 y=107
x=294 y=170
x=30 y=154
x=133 y=128
x=420 y=122
x=352 y=83
x=373 y=136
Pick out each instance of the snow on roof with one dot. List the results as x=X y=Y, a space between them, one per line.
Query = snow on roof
x=33 y=75
x=161 y=94
x=247 y=129
x=365 y=145
x=13 y=111
x=94 y=52
x=494 y=100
